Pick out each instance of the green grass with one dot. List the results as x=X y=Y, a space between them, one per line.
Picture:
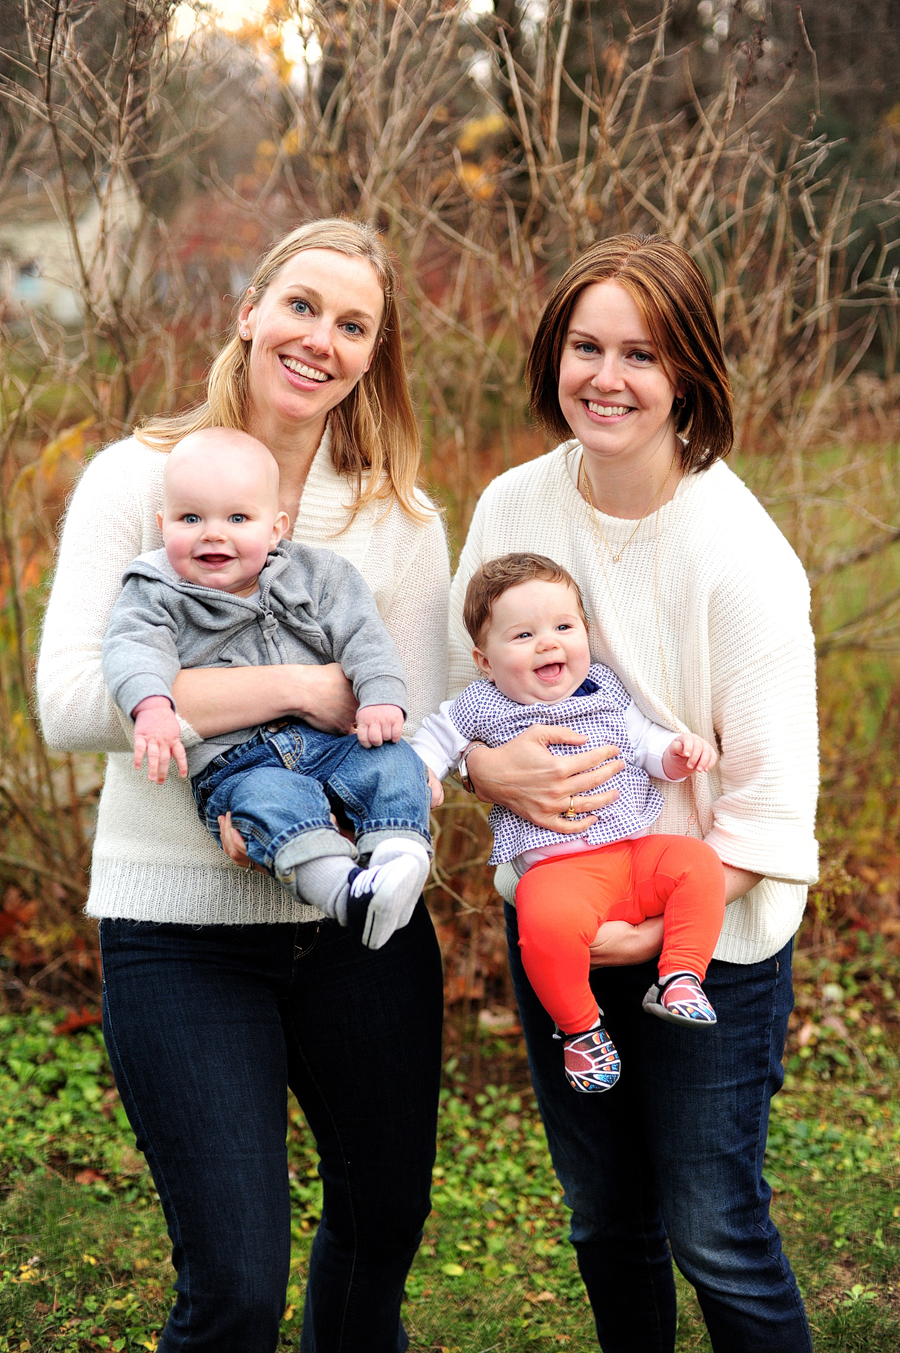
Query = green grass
x=84 y=1255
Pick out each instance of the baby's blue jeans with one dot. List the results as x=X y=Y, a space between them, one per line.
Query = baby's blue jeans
x=281 y=785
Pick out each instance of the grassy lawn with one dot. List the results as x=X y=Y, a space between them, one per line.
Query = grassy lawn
x=84 y=1261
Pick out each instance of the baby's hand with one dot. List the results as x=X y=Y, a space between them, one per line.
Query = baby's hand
x=687 y=754
x=437 y=789
x=376 y=724
x=158 y=735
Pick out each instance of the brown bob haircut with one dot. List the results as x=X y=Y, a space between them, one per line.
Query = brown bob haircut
x=488 y=583
x=674 y=299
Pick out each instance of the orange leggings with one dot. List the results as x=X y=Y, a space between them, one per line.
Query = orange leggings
x=561 y=903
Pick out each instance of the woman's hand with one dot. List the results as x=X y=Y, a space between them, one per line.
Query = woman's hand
x=234 y=845
x=325 y=699
x=617 y=943
x=525 y=776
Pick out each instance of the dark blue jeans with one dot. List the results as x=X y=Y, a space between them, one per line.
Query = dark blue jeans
x=279 y=787
x=674 y=1151
x=206 y=1028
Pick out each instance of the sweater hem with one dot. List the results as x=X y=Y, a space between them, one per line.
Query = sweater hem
x=194 y=895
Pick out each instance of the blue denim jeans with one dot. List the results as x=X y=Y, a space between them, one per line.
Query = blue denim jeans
x=279 y=787
x=206 y=1028
x=674 y=1153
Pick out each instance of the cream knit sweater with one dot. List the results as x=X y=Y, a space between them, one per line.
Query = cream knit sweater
x=709 y=593
x=153 y=859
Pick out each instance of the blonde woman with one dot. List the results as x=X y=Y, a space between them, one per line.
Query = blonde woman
x=220 y=991
x=700 y=606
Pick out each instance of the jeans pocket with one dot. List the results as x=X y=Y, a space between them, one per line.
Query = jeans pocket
x=289 y=743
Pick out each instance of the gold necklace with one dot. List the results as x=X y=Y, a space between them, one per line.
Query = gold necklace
x=693 y=816
x=593 y=513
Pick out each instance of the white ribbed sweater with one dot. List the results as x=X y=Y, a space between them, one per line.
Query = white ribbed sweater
x=153 y=860
x=710 y=587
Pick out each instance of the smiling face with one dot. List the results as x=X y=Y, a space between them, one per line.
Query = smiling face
x=312 y=336
x=536 y=647
x=613 y=389
x=220 y=516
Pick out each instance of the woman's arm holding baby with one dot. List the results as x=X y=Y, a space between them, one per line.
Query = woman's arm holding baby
x=617 y=943
x=105 y=528
x=217 y=700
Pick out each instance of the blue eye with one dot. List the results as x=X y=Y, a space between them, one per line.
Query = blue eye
x=238 y=518
x=301 y=307
x=643 y=356
x=354 y=330
x=190 y=518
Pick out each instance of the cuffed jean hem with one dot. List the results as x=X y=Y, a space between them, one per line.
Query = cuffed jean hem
x=312 y=844
x=370 y=839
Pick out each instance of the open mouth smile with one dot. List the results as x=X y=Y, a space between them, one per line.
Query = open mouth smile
x=214 y=560
x=309 y=373
x=549 y=672
x=608 y=410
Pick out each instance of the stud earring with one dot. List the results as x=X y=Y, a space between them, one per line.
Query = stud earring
x=245 y=333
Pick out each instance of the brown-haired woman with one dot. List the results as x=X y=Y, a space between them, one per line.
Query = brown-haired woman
x=700 y=606
x=220 y=991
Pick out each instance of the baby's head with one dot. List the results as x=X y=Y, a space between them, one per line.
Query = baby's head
x=220 y=515
x=525 y=616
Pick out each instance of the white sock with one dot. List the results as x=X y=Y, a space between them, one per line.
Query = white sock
x=393 y=846
x=323 y=883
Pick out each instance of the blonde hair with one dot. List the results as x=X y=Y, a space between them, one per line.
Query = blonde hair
x=674 y=299
x=374 y=434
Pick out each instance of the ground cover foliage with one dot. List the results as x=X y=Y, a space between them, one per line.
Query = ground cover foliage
x=84 y=1255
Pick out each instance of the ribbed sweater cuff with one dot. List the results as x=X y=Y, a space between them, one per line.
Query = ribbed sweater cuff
x=775 y=855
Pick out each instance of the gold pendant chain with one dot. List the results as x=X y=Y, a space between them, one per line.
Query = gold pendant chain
x=592 y=518
x=597 y=527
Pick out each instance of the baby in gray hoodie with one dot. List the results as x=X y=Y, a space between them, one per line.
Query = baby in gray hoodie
x=228 y=590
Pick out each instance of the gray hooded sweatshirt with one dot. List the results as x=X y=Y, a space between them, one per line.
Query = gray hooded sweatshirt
x=313 y=607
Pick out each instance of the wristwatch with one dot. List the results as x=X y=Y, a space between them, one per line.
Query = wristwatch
x=462 y=769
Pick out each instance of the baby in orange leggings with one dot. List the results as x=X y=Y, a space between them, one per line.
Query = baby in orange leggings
x=526 y=618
